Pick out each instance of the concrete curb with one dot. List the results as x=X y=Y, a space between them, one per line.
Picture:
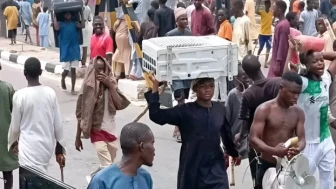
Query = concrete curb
x=16 y=58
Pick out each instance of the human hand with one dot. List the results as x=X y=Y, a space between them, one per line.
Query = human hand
x=60 y=160
x=280 y=150
x=78 y=144
x=292 y=152
x=15 y=148
x=236 y=161
x=109 y=82
x=277 y=70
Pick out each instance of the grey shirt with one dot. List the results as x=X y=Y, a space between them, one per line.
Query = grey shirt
x=308 y=19
x=176 y=32
x=232 y=106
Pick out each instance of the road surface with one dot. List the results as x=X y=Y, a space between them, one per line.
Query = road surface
x=80 y=164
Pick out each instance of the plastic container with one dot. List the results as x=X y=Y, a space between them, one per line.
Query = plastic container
x=310 y=43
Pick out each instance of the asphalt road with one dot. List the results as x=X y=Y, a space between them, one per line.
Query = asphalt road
x=80 y=164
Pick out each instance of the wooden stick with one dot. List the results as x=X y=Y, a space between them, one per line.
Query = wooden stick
x=62 y=174
x=232 y=182
x=163 y=88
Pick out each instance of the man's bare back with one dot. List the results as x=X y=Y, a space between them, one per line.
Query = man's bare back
x=280 y=125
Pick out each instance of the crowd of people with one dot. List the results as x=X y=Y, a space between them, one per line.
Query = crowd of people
x=259 y=115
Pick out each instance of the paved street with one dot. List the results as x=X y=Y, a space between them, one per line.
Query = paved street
x=80 y=164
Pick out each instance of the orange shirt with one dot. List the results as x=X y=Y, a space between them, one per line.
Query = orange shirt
x=296 y=7
x=225 y=30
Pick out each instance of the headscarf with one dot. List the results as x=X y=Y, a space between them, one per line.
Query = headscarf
x=179 y=11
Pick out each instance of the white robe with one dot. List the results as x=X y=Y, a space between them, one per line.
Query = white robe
x=36 y=123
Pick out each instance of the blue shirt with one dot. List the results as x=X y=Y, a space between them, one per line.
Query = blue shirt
x=26 y=11
x=43 y=23
x=112 y=178
x=325 y=7
x=69 y=42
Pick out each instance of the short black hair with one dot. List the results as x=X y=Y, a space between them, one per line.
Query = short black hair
x=32 y=67
x=155 y=4
x=291 y=16
x=292 y=77
x=302 y=4
x=45 y=8
x=162 y=2
x=133 y=134
x=98 y=18
x=151 y=12
x=281 y=5
x=239 y=4
x=180 y=4
x=226 y=12
x=306 y=57
x=251 y=65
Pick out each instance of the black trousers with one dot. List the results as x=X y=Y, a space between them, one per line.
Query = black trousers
x=254 y=165
x=262 y=168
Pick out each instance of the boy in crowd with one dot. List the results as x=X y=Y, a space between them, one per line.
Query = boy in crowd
x=43 y=25
x=265 y=36
x=69 y=47
x=225 y=28
x=11 y=13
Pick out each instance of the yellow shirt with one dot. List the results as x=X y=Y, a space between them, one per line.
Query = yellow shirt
x=12 y=16
x=266 y=22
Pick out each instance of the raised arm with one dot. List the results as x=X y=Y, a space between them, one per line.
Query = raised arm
x=257 y=130
x=172 y=116
x=332 y=66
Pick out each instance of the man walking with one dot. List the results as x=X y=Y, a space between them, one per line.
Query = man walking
x=280 y=41
x=96 y=109
x=36 y=124
x=164 y=19
x=202 y=22
x=27 y=16
x=8 y=161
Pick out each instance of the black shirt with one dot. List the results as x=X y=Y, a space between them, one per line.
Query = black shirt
x=259 y=92
x=164 y=19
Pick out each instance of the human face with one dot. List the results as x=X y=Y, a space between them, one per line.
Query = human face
x=198 y=4
x=289 y=92
x=147 y=150
x=310 y=5
x=316 y=65
x=243 y=80
x=221 y=16
x=98 y=26
x=321 y=26
x=267 y=5
x=205 y=90
x=67 y=16
x=100 y=66
x=295 y=22
x=276 y=10
x=182 y=21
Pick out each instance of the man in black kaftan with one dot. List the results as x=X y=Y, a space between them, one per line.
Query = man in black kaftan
x=202 y=125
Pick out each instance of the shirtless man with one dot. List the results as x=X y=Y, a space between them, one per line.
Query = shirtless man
x=275 y=122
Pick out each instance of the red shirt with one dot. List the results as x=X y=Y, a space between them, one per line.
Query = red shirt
x=101 y=45
x=202 y=22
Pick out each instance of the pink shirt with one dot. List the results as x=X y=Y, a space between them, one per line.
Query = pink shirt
x=101 y=45
x=202 y=22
